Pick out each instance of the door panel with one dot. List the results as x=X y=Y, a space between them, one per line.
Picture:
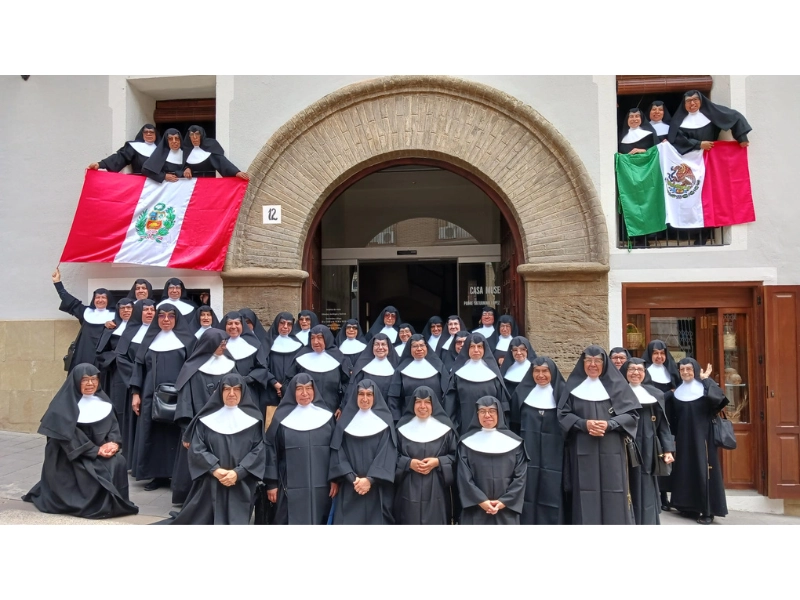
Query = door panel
x=783 y=382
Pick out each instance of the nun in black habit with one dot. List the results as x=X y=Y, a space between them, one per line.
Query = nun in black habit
x=306 y=319
x=227 y=457
x=516 y=363
x=326 y=364
x=636 y=135
x=696 y=480
x=83 y=473
x=661 y=367
x=618 y=356
x=426 y=445
x=364 y=459
x=488 y=324
x=167 y=162
x=282 y=350
x=254 y=323
x=454 y=325
x=175 y=293
x=450 y=355
x=133 y=153
x=141 y=290
x=418 y=366
x=298 y=456
x=654 y=441
x=144 y=312
x=199 y=377
x=106 y=359
x=205 y=157
x=433 y=333
x=377 y=362
x=351 y=341
x=533 y=409
x=387 y=322
x=159 y=360
x=475 y=374
x=204 y=319
x=251 y=358
x=659 y=119
x=597 y=412
x=404 y=333
x=94 y=319
x=506 y=331
x=491 y=470
x=698 y=121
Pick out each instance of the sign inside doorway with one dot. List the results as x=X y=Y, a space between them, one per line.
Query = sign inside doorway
x=272 y=214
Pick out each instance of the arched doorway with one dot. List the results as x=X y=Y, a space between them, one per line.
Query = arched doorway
x=502 y=144
x=408 y=242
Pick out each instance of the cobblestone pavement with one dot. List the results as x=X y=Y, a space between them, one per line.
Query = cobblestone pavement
x=21 y=457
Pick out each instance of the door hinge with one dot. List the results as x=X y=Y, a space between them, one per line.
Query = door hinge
x=758 y=300
x=761 y=359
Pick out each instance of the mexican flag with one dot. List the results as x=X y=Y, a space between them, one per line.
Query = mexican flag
x=696 y=189
x=133 y=219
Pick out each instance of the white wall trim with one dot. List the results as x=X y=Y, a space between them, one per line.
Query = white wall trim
x=118 y=103
x=765 y=275
x=223 y=121
x=607 y=126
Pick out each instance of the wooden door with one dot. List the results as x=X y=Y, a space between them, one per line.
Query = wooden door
x=312 y=289
x=782 y=337
x=509 y=261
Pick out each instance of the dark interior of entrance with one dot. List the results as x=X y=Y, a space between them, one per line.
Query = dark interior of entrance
x=417 y=289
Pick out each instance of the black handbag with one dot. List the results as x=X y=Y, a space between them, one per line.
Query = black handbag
x=723 y=432
x=70 y=354
x=165 y=403
x=634 y=458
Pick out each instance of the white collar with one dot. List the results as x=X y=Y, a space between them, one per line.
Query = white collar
x=541 y=396
x=399 y=348
x=283 y=344
x=502 y=343
x=199 y=333
x=423 y=430
x=476 y=371
x=175 y=157
x=486 y=331
x=660 y=127
x=634 y=135
x=92 y=409
x=643 y=395
x=591 y=389
x=517 y=371
x=379 y=366
x=686 y=392
x=182 y=306
x=165 y=341
x=228 y=420
x=659 y=373
x=97 y=316
x=306 y=418
x=143 y=148
x=419 y=369
x=695 y=120
x=120 y=328
x=318 y=362
x=217 y=365
x=197 y=155
x=351 y=347
x=447 y=342
x=490 y=441
x=302 y=336
x=137 y=339
x=240 y=348
x=391 y=332
x=432 y=341
x=365 y=423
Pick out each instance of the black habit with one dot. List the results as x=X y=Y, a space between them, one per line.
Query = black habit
x=93 y=323
x=329 y=368
x=411 y=374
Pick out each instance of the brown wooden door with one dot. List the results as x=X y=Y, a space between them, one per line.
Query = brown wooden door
x=782 y=336
x=509 y=261
x=312 y=292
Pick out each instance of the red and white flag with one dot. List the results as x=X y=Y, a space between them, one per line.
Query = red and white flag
x=130 y=219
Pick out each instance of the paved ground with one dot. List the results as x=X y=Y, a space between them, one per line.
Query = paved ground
x=21 y=457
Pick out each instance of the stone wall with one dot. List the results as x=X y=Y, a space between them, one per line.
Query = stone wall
x=31 y=369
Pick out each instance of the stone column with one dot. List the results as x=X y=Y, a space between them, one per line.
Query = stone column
x=266 y=291
x=566 y=308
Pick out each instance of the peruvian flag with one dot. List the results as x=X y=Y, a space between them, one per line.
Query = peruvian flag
x=133 y=219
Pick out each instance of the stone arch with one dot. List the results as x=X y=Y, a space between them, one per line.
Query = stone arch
x=492 y=135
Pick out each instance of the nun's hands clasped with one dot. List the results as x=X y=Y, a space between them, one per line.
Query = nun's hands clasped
x=596 y=428
x=226 y=477
x=108 y=450
x=361 y=485
x=424 y=466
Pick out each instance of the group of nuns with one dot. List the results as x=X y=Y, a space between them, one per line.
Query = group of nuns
x=696 y=124
x=169 y=158
x=456 y=427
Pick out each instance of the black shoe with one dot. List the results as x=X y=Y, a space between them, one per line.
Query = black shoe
x=666 y=507
x=705 y=519
x=157 y=483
